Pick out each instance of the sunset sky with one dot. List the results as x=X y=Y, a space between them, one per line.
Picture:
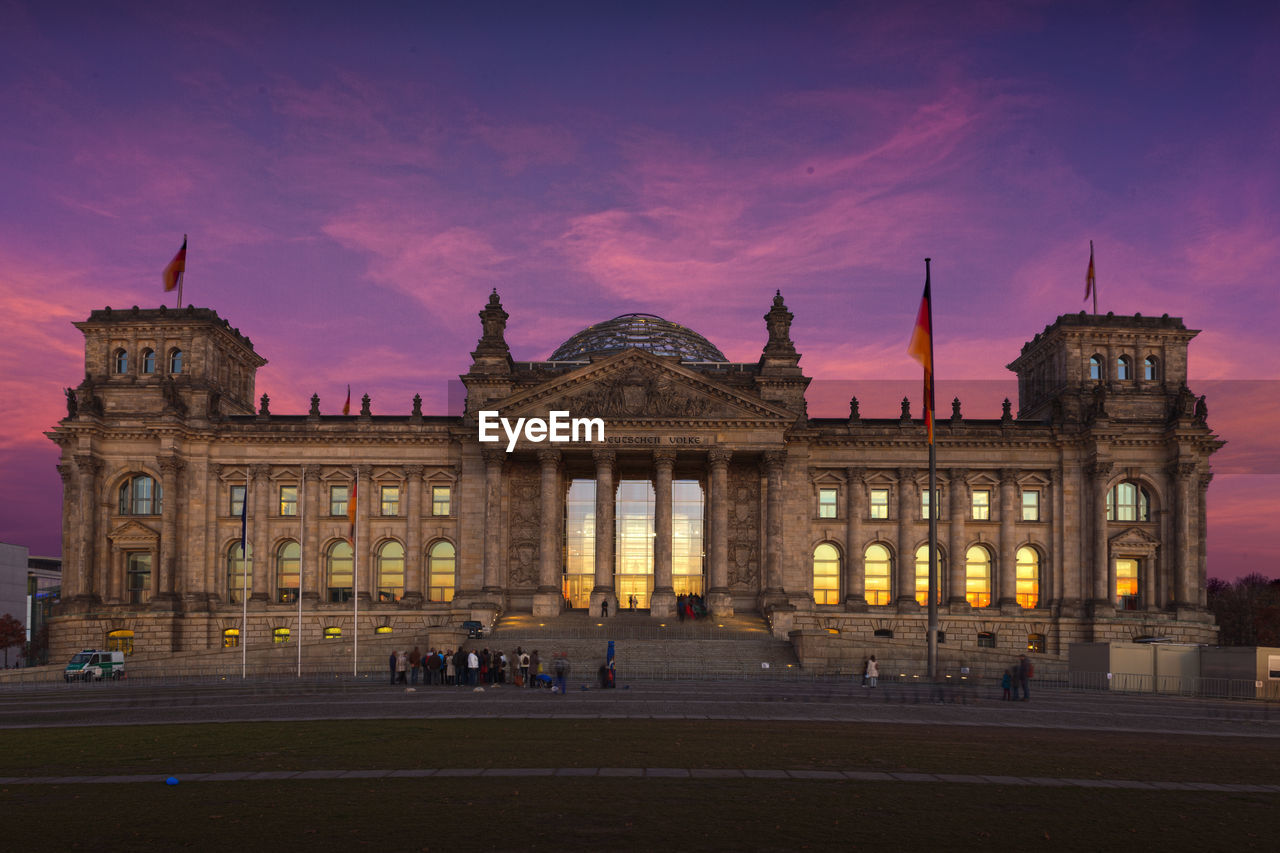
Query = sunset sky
x=355 y=178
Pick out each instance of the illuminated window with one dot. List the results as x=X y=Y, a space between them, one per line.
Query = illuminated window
x=175 y=361
x=1124 y=368
x=1030 y=505
x=826 y=574
x=441 y=563
x=389 y=504
x=280 y=635
x=390 y=572
x=1127 y=584
x=1128 y=502
x=1035 y=643
x=139 y=577
x=382 y=629
x=148 y=361
x=827 y=503
x=121 y=361
x=239 y=572
x=1095 y=368
x=580 y=542
x=876 y=573
x=981 y=505
x=140 y=495
x=925 y=504
x=879 y=503
x=120 y=641
x=338 y=499
x=440 y=500
x=237 y=500
x=1150 y=368
x=977 y=577
x=688 y=537
x=231 y=638
x=288 y=557
x=986 y=640
x=338 y=571
x=288 y=500
x=1028 y=577
x=922 y=576
x=333 y=633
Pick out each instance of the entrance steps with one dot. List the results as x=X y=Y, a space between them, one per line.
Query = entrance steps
x=645 y=646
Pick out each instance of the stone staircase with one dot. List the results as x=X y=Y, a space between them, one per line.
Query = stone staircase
x=646 y=647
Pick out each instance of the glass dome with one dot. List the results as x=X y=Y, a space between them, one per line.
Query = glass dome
x=642 y=331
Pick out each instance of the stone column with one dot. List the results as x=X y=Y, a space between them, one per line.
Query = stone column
x=260 y=494
x=1005 y=566
x=1183 y=559
x=855 y=595
x=88 y=468
x=413 y=537
x=774 y=464
x=719 y=599
x=663 y=601
x=549 y=597
x=957 y=544
x=213 y=542
x=166 y=571
x=309 y=572
x=906 y=579
x=605 y=533
x=1202 y=511
x=1104 y=584
x=1051 y=591
x=493 y=462
x=364 y=499
x=66 y=473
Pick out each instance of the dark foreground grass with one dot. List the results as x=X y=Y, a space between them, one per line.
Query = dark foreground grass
x=409 y=744
x=627 y=815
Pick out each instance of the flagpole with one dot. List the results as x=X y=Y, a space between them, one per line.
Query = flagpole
x=933 y=500
x=183 y=274
x=244 y=585
x=302 y=558
x=355 y=577
x=1094 y=267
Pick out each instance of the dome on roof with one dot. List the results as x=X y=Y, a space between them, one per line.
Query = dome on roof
x=642 y=331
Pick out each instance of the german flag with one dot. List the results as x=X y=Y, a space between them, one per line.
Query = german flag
x=173 y=272
x=1090 y=277
x=351 y=513
x=346 y=407
x=921 y=349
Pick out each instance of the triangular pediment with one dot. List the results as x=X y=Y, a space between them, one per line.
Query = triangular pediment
x=637 y=387
x=1134 y=537
x=133 y=534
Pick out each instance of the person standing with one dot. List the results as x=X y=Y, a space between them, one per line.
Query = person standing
x=604 y=607
x=522 y=657
x=415 y=665
x=394 y=660
x=1025 y=671
x=534 y=666
x=873 y=672
x=450 y=668
x=473 y=668
x=562 y=672
x=402 y=668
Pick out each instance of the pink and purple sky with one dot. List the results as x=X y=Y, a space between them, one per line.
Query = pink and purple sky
x=355 y=178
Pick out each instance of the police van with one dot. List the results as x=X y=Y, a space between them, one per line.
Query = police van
x=92 y=665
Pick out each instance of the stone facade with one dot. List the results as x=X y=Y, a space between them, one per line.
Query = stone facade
x=1082 y=518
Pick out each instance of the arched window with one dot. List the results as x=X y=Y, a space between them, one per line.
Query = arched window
x=391 y=571
x=1128 y=502
x=1095 y=368
x=977 y=577
x=1150 y=368
x=441 y=565
x=288 y=560
x=175 y=361
x=877 y=568
x=1124 y=368
x=138 y=567
x=280 y=635
x=338 y=571
x=148 y=360
x=231 y=638
x=239 y=572
x=826 y=574
x=922 y=576
x=120 y=361
x=139 y=495
x=120 y=641
x=333 y=633
x=1028 y=577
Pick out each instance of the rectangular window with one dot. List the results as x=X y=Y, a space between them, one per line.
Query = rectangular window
x=338 y=500
x=924 y=503
x=237 y=500
x=827 y=503
x=390 y=500
x=981 y=505
x=879 y=503
x=1127 y=584
x=139 y=577
x=1030 y=505
x=288 y=500
x=440 y=504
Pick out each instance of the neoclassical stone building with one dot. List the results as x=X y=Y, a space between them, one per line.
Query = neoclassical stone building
x=1081 y=518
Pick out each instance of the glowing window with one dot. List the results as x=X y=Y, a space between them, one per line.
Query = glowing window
x=922 y=576
x=826 y=574
x=827 y=503
x=1027 y=579
x=339 y=562
x=120 y=641
x=280 y=635
x=288 y=560
x=333 y=633
x=879 y=503
x=977 y=577
x=239 y=572
x=441 y=563
x=390 y=572
x=981 y=505
x=1127 y=584
x=231 y=638
x=876 y=574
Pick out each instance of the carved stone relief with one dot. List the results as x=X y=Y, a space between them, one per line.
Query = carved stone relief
x=641 y=394
x=744 y=528
x=524 y=523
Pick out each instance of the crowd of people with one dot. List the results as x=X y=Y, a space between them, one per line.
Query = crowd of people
x=472 y=668
x=690 y=606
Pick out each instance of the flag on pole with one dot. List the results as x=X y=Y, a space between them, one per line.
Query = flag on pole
x=351 y=514
x=346 y=407
x=921 y=349
x=173 y=272
x=244 y=507
x=1090 y=277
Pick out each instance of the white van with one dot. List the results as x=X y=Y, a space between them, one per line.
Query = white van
x=92 y=665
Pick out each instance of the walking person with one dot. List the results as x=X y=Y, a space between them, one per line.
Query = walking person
x=873 y=672
x=561 y=667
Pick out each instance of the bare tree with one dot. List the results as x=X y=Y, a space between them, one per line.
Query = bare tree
x=11 y=634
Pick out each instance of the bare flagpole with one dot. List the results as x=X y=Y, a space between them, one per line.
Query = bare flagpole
x=244 y=584
x=302 y=558
x=355 y=575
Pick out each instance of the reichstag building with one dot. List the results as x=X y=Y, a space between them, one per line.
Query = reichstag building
x=1081 y=517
